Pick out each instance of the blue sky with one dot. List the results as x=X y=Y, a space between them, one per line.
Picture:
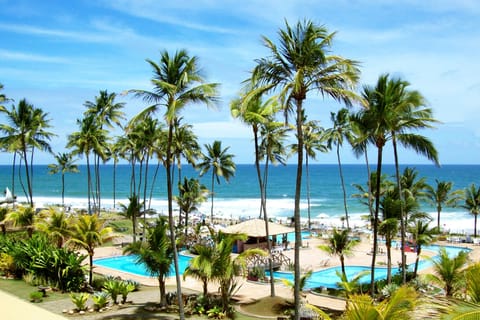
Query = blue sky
x=59 y=54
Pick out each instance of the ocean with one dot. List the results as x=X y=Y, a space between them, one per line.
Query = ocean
x=239 y=198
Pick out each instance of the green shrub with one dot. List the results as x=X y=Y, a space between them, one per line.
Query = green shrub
x=100 y=300
x=125 y=288
x=80 y=300
x=113 y=288
x=36 y=296
x=7 y=264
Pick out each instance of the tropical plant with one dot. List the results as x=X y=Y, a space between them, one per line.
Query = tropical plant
x=340 y=244
x=80 y=300
x=399 y=306
x=25 y=132
x=442 y=195
x=177 y=82
x=191 y=194
x=132 y=212
x=22 y=217
x=156 y=253
x=448 y=270
x=56 y=224
x=472 y=203
x=125 y=288
x=298 y=65
x=90 y=232
x=422 y=235
x=335 y=136
x=220 y=163
x=65 y=164
x=100 y=300
x=392 y=112
x=113 y=288
x=90 y=139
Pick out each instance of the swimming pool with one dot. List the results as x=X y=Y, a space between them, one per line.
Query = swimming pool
x=328 y=277
x=128 y=264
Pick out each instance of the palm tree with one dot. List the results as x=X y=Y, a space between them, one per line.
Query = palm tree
x=472 y=203
x=89 y=138
x=393 y=111
x=220 y=162
x=399 y=306
x=156 y=254
x=201 y=266
x=388 y=227
x=299 y=65
x=422 y=235
x=56 y=224
x=192 y=193
x=106 y=112
x=341 y=129
x=132 y=211
x=177 y=82
x=340 y=244
x=448 y=270
x=26 y=132
x=65 y=164
x=442 y=195
x=90 y=232
x=256 y=113
x=22 y=217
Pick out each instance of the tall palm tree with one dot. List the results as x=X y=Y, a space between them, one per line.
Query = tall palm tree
x=90 y=232
x=26 y=131
x=177 y=82
x=393 y=112
x=299 y=65
x=156 y=254
x=107 y=113
x=472 y=204
x=89 y=138
x=220 y=162
x=65 y=164
x=341 y=129
x=442 y=195
x=256 y=113
x=314 y=140
x=341 y=245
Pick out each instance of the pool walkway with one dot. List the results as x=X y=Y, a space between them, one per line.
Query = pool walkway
x=15 y=308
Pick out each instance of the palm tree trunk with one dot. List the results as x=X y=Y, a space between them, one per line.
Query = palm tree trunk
x=388 y=245
x=211 y=208
x=375 y=220
x=342 y=263
x=27 y=177
x=89 y=184
x=114 y=182
x=13 y=177
x=402 y=213
x=417 y=259
x=154 y=180
x=342 y=180
x=171 y=222
x=162 y=288
x=296 y=211
x=307 y=171
x=63 y=191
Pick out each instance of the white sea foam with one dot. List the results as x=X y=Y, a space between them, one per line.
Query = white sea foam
x=280 y=209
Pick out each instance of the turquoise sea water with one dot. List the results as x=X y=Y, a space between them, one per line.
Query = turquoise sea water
x=240 y=196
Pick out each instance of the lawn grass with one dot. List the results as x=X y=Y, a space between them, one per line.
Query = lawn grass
x=22 y=290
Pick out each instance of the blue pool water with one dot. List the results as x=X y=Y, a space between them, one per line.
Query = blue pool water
x=329 y=278
x=128 y=264
x=322 y=278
